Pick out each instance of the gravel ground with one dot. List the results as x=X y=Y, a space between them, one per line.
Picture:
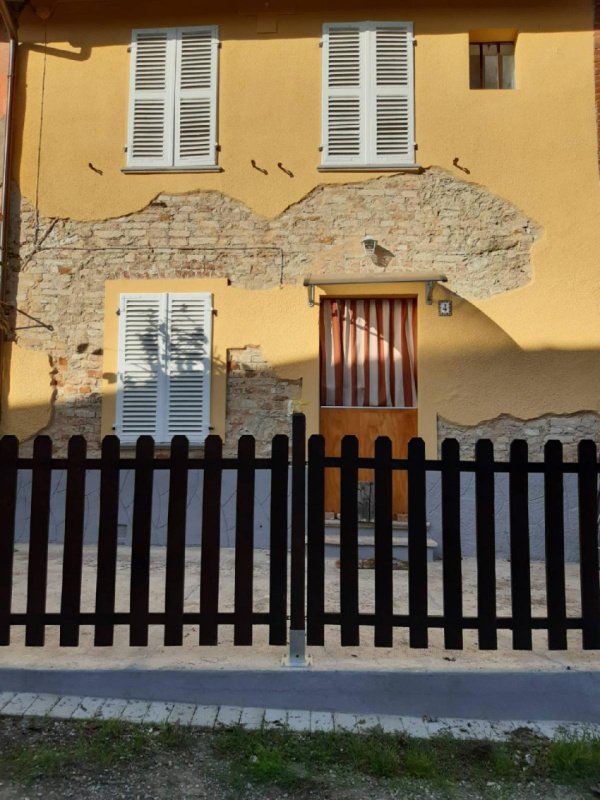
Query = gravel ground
x=56 y=760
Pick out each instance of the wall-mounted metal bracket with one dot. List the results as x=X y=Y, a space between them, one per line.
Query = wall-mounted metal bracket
x=428 y=278
x=39 y=323
x=429 y=292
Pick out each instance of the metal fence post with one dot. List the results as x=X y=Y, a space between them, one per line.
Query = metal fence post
x=297 y=634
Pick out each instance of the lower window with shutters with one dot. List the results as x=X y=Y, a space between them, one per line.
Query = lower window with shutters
x=165 y=344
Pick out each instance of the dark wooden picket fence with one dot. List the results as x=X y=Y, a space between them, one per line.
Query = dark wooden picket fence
x=297 y=592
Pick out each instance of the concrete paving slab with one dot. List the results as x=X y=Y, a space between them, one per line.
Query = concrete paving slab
x=366 y=722
x=65 y=708
x=112 y=709
x=415 y=726
x=228 y=716
x=321 y=721
x=135 y=711
x=344 y=722
x=181 y=714
x=252 y=718
x=42 y=705
x=469 y=729
x=19 y=704
x=158 y=713
x=391 y=724
x=275 y=719
x=206 y=716
x=5 y=697
x=298 y=721
x=88 y=708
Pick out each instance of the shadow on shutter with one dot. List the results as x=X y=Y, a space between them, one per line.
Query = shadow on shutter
x=189 y=361
x=139 y=370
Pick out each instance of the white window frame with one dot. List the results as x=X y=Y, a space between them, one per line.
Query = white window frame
x=163 y=380
x=172 y=92
x=368 y=93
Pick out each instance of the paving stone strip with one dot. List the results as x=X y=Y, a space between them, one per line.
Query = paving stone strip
x=51 y=706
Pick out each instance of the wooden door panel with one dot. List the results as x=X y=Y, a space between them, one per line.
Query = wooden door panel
x=400 y=424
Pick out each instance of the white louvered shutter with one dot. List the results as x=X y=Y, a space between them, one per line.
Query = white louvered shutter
x=189 y=334
x=151 y=98
x=141 y=353
x=343 y=95
x=392 y=115
x=196 y=97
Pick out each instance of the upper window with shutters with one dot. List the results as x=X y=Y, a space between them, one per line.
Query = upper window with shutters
x=173 y=99
x=368 y=95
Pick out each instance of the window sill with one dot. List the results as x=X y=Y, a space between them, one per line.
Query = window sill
x=370 y=168
x=172 y=170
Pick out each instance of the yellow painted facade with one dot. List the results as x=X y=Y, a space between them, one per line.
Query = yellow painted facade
x=526 y=352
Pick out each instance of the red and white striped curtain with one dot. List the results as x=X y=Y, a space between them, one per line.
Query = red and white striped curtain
x=368 y=353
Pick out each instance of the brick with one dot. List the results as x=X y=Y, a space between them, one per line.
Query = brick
x=568 y=428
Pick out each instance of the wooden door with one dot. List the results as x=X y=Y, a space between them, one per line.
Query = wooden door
x=368 y=367
x=400 y=424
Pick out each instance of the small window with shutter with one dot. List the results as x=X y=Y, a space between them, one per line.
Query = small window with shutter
x=173 y=98
x=164 y=366
x=368 y=95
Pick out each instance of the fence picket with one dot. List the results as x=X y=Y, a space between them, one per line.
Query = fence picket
x=554 y=525
x=9 y=453
x=108 y=534
x=349 y=606
x=384 y=560
x=278 y=541
x=176 y=529
x=452 y=554
x=520 y=569
x=244 y=543
x=70 y=606
x=140 y=542
x=417 y=545
x=210 y=556
x=486 y=545
x=588 y=544
x=37 y=571
x=315 y=557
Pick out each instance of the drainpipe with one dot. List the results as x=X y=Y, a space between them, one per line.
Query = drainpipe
x=11 y=28
x=12 y=57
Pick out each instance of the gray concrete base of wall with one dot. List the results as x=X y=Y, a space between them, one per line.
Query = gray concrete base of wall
x=570 y=696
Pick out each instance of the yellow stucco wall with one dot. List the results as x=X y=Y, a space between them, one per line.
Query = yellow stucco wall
x=527 y=352
x=27 y=398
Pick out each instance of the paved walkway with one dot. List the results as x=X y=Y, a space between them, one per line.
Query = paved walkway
x=52 y=706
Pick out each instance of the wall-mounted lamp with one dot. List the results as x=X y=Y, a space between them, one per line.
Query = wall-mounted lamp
x=369 y=244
